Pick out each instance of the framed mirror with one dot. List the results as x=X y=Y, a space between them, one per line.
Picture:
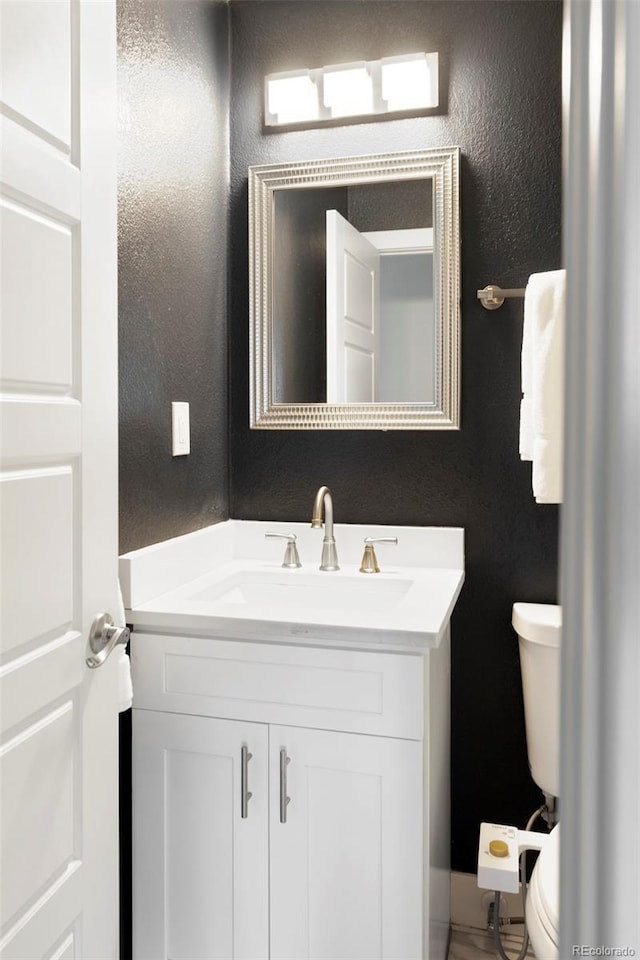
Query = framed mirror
x=354 y=282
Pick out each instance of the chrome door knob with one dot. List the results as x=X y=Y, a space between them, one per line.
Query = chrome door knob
x=103 y=637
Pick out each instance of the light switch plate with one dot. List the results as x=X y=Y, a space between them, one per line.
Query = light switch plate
x=180 y=433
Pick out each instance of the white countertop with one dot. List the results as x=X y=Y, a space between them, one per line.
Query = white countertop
x=227 y=581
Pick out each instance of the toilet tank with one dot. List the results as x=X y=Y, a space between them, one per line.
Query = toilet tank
x=539 y=627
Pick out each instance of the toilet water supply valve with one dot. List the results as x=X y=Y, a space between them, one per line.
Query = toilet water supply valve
x=499 y=855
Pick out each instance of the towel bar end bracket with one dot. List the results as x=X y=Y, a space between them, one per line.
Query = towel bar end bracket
x=492 y=297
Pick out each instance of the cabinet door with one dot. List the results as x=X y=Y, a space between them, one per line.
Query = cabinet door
x=346 y=866
x=200 y=868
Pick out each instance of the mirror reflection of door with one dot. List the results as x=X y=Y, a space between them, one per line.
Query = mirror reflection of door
x=353 y=314
x=386 y=213
x=380 y=314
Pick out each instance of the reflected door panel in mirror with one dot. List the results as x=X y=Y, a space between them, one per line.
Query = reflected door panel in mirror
x=354 y=277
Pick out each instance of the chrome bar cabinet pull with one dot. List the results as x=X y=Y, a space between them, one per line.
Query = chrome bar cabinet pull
x=245 y=795
x=284 y=799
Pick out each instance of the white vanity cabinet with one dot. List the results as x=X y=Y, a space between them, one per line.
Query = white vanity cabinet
x=354 y=866
x=346 y=866
x=201 y=870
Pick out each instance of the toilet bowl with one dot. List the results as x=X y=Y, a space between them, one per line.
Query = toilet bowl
x=539 y=628
x=542 y=900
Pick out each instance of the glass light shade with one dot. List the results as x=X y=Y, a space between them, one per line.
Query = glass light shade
x=357 y=89
x=348 y=92
x=292 y=99
x=406 y=82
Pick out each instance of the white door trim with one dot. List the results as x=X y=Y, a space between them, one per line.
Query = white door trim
x=418 y=240
x=600 y=567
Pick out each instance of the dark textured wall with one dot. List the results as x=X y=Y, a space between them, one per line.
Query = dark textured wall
x=501 y=69
x=173 y=78
x=404 y=205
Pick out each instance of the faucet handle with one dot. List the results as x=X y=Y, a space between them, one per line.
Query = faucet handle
x=369 y=560
x=291 y=557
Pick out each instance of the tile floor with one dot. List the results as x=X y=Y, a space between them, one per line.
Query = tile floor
x=468 y=944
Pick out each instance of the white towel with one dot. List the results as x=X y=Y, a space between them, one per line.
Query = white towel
x=526 y=411
x=125 y=688
x=542 y=408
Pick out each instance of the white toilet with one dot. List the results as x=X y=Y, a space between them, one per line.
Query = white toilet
x=539 y=628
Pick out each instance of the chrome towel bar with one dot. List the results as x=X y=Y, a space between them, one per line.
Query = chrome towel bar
x=492 y=297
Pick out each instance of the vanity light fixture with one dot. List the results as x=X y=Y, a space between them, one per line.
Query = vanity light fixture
x=292 y=97
x=408 y=82
x=348 y=90
x=362 y=89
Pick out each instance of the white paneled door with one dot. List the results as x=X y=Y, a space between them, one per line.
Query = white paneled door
x=353 y=314
x=58 y=487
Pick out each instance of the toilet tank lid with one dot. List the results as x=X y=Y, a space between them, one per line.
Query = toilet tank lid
x=538 y=622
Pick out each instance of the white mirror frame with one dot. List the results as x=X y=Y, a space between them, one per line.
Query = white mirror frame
x=442 y=165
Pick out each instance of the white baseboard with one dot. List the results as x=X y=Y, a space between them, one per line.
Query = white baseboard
x=467 y=909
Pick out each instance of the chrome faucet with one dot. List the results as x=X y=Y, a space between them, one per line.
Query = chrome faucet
x=323 y=506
